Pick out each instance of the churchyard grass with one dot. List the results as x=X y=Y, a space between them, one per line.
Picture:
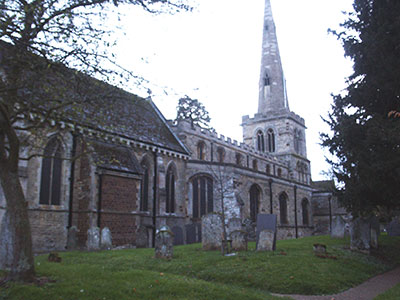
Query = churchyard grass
x=392 y=294
x=195 y=274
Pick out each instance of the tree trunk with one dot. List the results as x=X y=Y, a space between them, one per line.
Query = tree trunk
x=22 y=267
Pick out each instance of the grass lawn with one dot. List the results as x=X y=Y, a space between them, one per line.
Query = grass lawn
x=392 y=294
x=195 y=274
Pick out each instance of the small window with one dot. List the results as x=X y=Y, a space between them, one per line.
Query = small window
x=267 y=81
x=50 y=185
x=201 y=150
x=255 y=164
x=268 y=169
x=170 y=190
x=279 y=172
x=239 y=159
x=221 y=154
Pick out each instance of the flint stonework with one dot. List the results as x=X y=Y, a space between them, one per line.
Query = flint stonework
x=164 y=243
x=93 y=238
x=212 y=231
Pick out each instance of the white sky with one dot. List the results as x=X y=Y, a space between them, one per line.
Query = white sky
x=214 y=54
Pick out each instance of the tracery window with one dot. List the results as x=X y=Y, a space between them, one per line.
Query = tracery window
x=271 y=140
x=254 y=201
x=202 y=189
x=170 y=190
x=260 y=141
x=283 y=208
x=50 y=183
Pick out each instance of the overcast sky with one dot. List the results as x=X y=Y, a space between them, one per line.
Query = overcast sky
x=214 y=54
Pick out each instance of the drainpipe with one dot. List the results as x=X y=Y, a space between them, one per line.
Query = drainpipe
x=271 y=209
x=295 y=211
x=330 y=213
x=99 y=204
x=71 y=181
x=154 y=198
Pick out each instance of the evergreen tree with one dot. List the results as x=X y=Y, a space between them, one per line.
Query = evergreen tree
x=365 y=140
x=194 y=111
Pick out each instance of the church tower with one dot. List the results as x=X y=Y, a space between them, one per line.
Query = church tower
x=274 y=129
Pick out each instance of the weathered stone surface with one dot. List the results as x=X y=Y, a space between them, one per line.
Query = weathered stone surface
x=249 y=227
x=164 y=243
x=338 y=227
x=178 y=235
x=266 y=222
x=234 y=224
x=106 y=238
x=266 y=240
x=72 y=240
x=239 y=240
x=393 y=229
x=360 y=234
x=93 y=238
x=6 y=248
x=142 y=237
x=212 y=231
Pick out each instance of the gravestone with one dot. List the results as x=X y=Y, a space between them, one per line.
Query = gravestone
x=338 y=227
x=164 y=243
x=239 y=240
x=72 y=239
x=142 y=237
x=234 y=224
x=190 y=233
x=6 y=245
x=374 y=238
x=212 y=231
x=178 y=235
x=249 y=227
x=106 y=239
x=393 y=229
x=93 y=238
x=266 y=222
x=266 y=240
x=360 y=234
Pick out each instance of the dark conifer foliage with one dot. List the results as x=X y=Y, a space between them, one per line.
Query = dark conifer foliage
x=194 y=111
x=365 y=139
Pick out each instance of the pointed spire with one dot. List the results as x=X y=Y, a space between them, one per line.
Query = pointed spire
x=272 y=93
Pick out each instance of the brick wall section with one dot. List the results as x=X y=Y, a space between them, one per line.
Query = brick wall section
x=118 y=197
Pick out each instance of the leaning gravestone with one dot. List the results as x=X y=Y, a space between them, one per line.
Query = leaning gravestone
x=338 y=227
x=266 y=222
x=239 y=240
x=212 y=231
x=106 y=239
x=190 y=234
x=6 y=245
x=360 y=234
x=164 y=243
x=72 y=239
x=393 y=229
x=142 y=237
x=178 y=235
x=266 y=240
x=93 y=238
x=234 y=224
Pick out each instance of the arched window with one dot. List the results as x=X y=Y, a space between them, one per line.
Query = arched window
x=201 y=147
x=144 y=197
x=306 y=214
x=283 y=208
x=279 y=172
x=260 y=141
x=170 y=190
x=271 y=140
x=239 y=159
x=50 y=183
x=203 y=203
x=221 y=154
x=255 y=164
x=254 y=201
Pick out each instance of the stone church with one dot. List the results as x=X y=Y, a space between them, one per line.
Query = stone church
x=141 y=171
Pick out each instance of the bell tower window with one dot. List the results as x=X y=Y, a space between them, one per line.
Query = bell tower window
x=260 y=141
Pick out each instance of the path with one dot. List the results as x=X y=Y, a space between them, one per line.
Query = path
x=365 y=291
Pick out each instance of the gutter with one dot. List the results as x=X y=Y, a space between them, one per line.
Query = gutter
x=71 y=182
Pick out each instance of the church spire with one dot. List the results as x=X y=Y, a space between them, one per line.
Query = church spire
x=272 y=93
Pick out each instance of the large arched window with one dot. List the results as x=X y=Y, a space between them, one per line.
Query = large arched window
x=50 y=183
x=260 y=141
x=202 y=188
x=201 y=148
x=271 y=140
x=170 y=189
x=283 y=208
x=255 y=196
x=144 y=197
x=305 y=210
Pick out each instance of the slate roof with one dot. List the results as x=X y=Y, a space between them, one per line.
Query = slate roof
x=323 y=186
x=115 y=158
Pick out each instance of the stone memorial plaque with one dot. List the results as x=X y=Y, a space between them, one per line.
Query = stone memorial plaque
x=178 y=235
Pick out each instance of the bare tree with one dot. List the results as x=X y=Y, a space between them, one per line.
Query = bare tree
x=40 y=40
